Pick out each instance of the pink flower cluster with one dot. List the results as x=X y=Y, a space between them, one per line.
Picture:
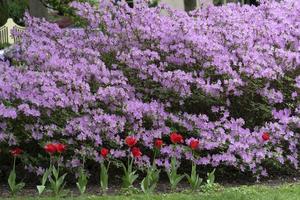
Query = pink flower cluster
x=135 y=70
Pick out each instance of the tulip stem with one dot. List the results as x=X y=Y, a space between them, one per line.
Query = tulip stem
x=154 y=156
x=83 y=161
x=108 y=165
x=58 y=164
x=14 y=166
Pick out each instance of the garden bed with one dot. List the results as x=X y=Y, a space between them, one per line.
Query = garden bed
x=115 y=189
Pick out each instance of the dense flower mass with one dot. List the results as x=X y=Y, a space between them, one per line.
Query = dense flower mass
x=221 y=75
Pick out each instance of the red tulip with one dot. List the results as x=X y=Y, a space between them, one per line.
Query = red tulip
x=50 y=148
x=104 y=152
x=194 y=144
x=60 y=147
x=265 y=136
x=136 y=152
x=16 y=151
x=176 y=138
x=130 y=141
x=158 y=143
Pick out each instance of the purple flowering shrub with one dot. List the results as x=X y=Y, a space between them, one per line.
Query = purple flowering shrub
x=223 y=75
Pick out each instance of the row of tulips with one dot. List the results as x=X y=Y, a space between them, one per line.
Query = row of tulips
x=51 y=174
x=148 y=184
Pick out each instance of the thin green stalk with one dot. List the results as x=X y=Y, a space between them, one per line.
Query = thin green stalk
x=154 y=156
x=14 y=167
x=58 y=164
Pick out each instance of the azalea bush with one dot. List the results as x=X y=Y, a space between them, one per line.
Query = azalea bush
x=223 y=82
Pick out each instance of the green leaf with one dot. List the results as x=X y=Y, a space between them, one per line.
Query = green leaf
x=129 y=176
x=45 y=176
x=12 y=181
x=51 y=180
x=211 y=177
x=20 y=186
x=82 y=181
x=104 y=177
x=189 y=178
x=81 y=188
x=178 y=179
x=149 y=183
x=55 y=173
x=144 y=185
x=40 y=189
x=174 y=178
x=152 y=188
x=61 y=179
x=57 y=184
x=200 y=180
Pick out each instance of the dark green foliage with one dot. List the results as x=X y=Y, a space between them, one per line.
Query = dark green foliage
x=3 y=46
x=3 y=13
x=13 y=9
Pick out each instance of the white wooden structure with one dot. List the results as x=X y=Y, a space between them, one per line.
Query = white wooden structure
x=5 y=32
x=183 y=4
x=180 y=4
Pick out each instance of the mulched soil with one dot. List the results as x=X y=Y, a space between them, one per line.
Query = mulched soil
x=163 y=187
x=227 y=177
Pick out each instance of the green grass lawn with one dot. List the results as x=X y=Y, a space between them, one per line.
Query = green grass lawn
x=258 y=192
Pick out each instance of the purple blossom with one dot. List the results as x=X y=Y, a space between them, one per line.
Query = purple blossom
x=64 y=85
